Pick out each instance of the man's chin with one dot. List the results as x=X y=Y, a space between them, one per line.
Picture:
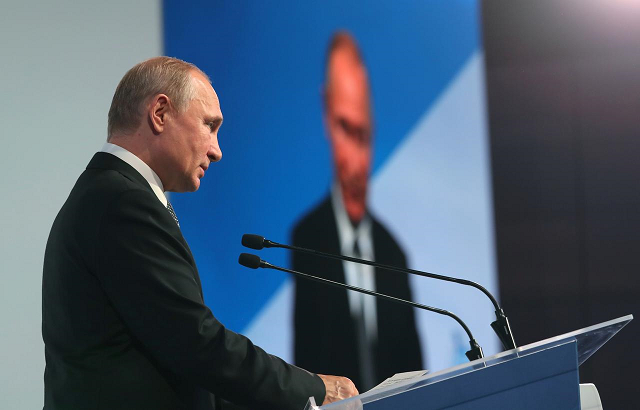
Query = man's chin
x=355 y=213
x=192 y=187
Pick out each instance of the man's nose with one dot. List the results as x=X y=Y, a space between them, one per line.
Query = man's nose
x=215 y=153
x=215 y=156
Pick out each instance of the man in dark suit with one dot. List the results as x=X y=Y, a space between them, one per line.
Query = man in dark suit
x=124 y=321
x=362 y=337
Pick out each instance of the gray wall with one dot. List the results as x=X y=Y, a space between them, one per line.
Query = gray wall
x=60 y=63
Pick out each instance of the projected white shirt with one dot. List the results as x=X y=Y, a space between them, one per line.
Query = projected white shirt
x=362 y=307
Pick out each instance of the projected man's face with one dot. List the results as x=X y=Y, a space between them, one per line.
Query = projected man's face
x=348 y=122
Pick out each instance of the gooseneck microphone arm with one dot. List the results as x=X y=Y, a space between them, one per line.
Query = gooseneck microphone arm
x=500 y=326
x=254 y=262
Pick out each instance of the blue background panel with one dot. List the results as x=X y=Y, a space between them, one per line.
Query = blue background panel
x=266 y=62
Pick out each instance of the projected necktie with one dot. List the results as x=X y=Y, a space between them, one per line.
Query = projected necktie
x=365 y=354
x=172 y=212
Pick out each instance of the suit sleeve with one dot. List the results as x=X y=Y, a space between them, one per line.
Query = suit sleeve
x=145 y=270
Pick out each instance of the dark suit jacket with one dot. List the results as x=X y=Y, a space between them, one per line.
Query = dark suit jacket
x=123 y=317
x=325 y=338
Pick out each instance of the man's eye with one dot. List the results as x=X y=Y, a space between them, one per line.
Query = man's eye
x=357 y=134
x=344 y=125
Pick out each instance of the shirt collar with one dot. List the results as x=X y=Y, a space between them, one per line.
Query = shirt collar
x=139 y=165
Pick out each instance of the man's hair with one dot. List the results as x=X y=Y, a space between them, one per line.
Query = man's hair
x=158 y=75
x=341 y=40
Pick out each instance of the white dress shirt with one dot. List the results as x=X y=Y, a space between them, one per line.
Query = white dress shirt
x=362 y=307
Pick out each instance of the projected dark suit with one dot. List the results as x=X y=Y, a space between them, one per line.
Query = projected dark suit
x=123 y=317
x=325 y=337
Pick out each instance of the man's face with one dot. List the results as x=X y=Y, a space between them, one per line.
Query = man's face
x=348 y=122
x=191 y=139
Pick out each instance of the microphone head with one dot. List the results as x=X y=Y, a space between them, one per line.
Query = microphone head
x=249 y=260
x=253 y=241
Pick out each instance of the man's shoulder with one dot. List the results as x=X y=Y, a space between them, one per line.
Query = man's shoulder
x=103 y=186
x=111 y=182
x=107 y=176
x=99 y=189
x=386 y=245
x=315 y=220
x=379 y=229
x=110 y=172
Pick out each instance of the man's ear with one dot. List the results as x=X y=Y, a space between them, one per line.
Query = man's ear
x=158 y=109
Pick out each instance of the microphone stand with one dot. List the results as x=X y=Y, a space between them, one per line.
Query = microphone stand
x=500 y=326
x=254 y=262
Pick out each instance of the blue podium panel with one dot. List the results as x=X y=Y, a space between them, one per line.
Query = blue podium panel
x=542 y=375
x=540 y=380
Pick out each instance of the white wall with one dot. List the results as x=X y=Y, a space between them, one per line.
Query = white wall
x=60 y=62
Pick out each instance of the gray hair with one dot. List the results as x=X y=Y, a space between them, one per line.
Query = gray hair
x=158 y=75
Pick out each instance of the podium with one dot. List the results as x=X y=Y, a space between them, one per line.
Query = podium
x=542 y=375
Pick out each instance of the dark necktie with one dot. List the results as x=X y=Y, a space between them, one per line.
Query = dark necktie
x=172 y=213
x=365 y=354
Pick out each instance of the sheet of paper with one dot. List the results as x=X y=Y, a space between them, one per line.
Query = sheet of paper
x=400 y=377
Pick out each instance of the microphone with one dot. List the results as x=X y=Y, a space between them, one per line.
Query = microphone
x=500 y=326
x=254 y=262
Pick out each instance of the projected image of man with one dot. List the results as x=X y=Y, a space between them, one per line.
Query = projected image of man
x=376 y=338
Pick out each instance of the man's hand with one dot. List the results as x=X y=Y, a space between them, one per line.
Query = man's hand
x=338 y=388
